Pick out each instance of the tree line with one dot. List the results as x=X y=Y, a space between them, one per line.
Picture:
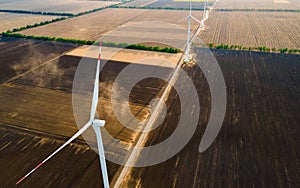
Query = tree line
x=35 y=25
x=260 y=48
x=159 y=8
x=37 y=12
x=254 y=10
x=90 y=42
x=65 y=16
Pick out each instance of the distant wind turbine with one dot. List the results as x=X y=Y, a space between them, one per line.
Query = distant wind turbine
x=95 y=123
x=188 y=42
x=205 y=16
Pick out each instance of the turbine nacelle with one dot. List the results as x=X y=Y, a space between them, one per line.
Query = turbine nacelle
x=98 y=123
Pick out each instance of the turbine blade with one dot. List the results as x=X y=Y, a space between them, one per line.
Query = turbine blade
x=84 y=128
x=195 y=19
x=96 y=85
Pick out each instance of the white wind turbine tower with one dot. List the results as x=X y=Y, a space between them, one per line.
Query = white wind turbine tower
x=95 y=123
x=188 y=42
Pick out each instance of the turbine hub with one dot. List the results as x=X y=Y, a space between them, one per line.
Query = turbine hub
x=98 y=122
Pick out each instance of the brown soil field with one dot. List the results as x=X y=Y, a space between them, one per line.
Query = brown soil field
x=66 y=6
x=257 y=145
x=259 y=4
x=40 y=101
x=21 y=149
x=107 y=20
x=42 y=98
x=18 y=55
x=10 y=21
x=253 y=29
x=258 y=142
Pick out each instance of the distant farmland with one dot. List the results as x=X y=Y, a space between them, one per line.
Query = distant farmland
x=139 y=3
x=254 y=29
x=258 y=4
x=104 y=21
x=9 y=21
x=65 y=6
x=166 y=3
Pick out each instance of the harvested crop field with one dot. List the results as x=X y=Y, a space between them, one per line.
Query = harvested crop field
x=21 y=149
x=66 y=6
x=166 y=3
x=9 y=21
x=41 y=102
x=253 y=29
x=139 y=3
x=259 y=4
x=19 y=55
x=107 y=20
x=258 y=142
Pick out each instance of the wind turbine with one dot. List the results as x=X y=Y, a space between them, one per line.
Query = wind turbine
x=188 y=42
x=205 y=16
x=95 y=123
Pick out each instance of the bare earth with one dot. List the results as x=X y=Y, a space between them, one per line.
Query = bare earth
x=9 y=21
x=259 y=4
x=65 y=6
x=253 y=29
x=107 y=20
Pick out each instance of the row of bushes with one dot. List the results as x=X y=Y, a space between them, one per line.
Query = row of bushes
x=260 y=49
x=37 y=12
x=140 y=47
x=36 y=25
x=18 y=35
x=62 y=13
x=66 y=15
x=54 y=20
x=70 y=15
x=255 y=10
x=89 y=42
x=159 y=8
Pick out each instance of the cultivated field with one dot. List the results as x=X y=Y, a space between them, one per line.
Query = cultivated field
x=21 y=149
x=253 y=29
x=105 y=21
x=66 y=6
x=257 y=146
x=259 y=4
x=166 y=3
x=258 y=142
x=18 y=55
x=139 y=3
x=41 y=102
x=9 y=21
